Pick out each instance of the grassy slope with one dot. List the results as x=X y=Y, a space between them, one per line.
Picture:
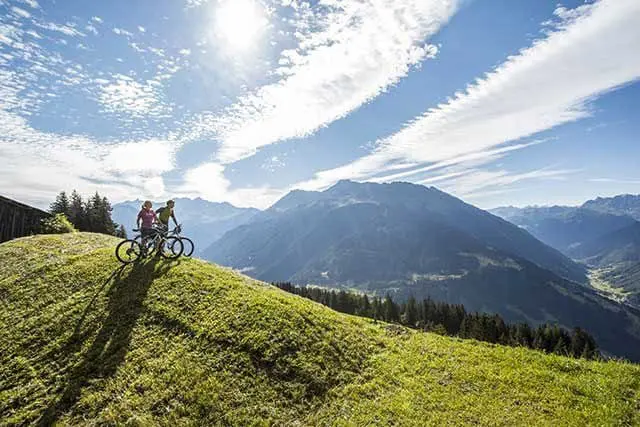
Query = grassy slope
x=190 y=343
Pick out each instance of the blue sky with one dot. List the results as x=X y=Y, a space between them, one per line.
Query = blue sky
x=495 y=101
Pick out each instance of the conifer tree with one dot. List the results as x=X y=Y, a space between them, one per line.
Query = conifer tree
x=61 y=205
x=121 y=232
x=390 y=310
x=411 y=312
x=77 y=211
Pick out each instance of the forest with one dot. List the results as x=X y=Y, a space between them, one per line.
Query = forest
x=453 y=320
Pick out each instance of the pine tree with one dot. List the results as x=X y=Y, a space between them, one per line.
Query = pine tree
x=77 y=211
x=390 y=310
x=578 y=342
x=105 y=217
x=61 y=205
x=410 y=315
x=121 y=232
x=365 y=306
x=92 y=215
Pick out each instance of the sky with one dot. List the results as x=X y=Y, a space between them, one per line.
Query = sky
x=497 y=102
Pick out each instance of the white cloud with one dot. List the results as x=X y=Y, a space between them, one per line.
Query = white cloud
x=125 y=95
x=345 y=57
x=31 y=3
x=465 y=161
x=20 y=12
x=37 y=165
x=548 y=84
x=67 y=29
x=91 y=29
x=467 y=183
x=616 y=181
x=122 y=32
x=208 y=181
x=154 y=156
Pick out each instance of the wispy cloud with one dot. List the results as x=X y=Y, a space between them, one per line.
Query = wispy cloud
x=586 y=52
x=20 y=12
x=347 y=54
x=616 y=181
x=467 y=183
x=67 y=29
x=31 y=3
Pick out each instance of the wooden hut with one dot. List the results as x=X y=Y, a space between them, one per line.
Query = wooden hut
x=18 y=219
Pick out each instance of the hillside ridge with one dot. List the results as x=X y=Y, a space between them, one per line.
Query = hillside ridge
x=185 y=342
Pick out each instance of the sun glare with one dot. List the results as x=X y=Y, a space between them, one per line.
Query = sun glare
x=240 y=23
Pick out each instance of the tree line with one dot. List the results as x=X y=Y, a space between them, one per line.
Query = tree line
x=93 y=215
x=453 y=320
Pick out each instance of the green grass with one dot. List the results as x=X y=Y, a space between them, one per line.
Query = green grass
x=84 y=341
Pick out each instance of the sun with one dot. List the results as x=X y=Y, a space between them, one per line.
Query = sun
x=239 y=24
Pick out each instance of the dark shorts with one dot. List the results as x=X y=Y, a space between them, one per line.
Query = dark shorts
x=147 y=232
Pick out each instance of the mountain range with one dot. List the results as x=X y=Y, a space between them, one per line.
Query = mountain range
x=603 y=234
x=406 y=239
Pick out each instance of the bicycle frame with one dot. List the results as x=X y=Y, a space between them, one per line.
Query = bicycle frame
x=157 y=238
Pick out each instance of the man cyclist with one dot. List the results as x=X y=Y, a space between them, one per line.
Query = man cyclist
x=166 y=212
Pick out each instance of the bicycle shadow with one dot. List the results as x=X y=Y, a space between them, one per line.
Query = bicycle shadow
x=126 y=297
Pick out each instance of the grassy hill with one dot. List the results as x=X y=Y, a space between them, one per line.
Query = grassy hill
x=83 y=340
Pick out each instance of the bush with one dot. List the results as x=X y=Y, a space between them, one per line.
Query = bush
x=57 y=224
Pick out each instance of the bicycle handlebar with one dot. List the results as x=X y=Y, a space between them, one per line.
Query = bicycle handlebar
x=178 y=229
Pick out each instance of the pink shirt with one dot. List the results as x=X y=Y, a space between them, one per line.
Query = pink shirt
x=147 y=217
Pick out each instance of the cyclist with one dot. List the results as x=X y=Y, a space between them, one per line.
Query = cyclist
x=166 y=212
x=147 y=217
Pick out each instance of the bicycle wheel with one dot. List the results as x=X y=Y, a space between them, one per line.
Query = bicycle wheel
x=151 y=246
x=128 y=251
x=171 y=248
x=188 y=246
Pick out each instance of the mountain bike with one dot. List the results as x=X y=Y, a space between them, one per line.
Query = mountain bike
x=187 y=243
x=131 y=250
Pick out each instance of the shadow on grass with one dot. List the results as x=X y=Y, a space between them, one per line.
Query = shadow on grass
x=126 y=295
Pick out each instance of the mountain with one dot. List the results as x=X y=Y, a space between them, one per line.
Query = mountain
x=85 y=341
x=282 y=242
x=601 y=233
x=564 y=227
x=202 y=221
x=624 y=204
x=622 y=245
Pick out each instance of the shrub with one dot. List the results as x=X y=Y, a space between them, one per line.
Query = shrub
x=57 y=224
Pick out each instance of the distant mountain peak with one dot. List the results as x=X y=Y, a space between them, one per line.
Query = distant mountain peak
x=623 y=204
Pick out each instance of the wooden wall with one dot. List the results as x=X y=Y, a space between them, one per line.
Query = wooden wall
x=18 y=219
